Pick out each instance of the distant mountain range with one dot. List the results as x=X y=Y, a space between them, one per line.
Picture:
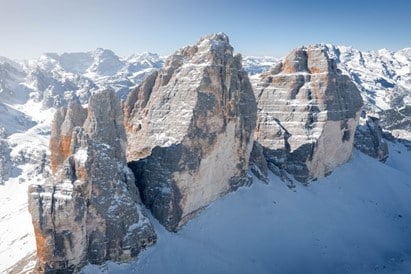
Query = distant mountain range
x=383 y=76
x=55 y=78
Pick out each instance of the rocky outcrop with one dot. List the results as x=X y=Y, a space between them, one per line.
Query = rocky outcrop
x=369 y=137
x=258 y=163
x=65 y=120
x=190 y=129
x=307 y=114
x=90 y=211
x=5 y=162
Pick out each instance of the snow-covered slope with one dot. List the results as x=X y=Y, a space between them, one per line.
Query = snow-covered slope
x=59 y=77
x=383 y=76
x=256 y=65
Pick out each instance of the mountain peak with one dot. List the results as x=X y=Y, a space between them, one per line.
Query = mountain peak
x=98 y=52
x=214 y=41
x=220 y=36
x=136 y=57
x=200 y=103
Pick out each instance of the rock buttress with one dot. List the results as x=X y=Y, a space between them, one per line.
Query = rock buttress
x=90 y=211
x=190 y=130
x=307 y=114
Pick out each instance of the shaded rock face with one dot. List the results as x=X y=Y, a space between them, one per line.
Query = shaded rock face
x=258 y=163
x=369 y=138
x=190 y=128
x=5 y=162
x=90 y=211
x=307 y=114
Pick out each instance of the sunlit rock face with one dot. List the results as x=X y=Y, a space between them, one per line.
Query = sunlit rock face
x=307 y=114
x=190 y=130
x=90 y=211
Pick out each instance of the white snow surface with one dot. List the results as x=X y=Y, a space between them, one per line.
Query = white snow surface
x=81 y=155
x=255 y=65
x=16 y=230
x=358 y=220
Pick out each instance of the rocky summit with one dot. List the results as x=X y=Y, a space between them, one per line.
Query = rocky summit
x=190 y=130
x=307 y=115
x=90 y=210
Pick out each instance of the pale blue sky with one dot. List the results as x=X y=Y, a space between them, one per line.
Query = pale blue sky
x=255 y=27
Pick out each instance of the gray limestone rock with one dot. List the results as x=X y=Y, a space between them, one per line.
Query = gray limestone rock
x=369 y=137
x=307 y=114
x=258 y=163
x=90 y=211
x=5 y=162
x=190 y=130
x=65 y=120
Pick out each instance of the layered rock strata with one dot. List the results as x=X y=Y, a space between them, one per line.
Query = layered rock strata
x=90 y=211
x=190 y=130
x=307 y=114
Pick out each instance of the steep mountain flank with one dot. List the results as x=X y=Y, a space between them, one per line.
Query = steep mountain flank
x=90 y=210
x=190 y=130
x=307 y=114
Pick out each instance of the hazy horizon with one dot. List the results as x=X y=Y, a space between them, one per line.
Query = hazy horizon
x=255 y=28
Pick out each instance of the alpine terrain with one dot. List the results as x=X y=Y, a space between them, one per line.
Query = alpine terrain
x=206 y=161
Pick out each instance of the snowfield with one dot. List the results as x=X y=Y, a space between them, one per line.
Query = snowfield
x=16 y=231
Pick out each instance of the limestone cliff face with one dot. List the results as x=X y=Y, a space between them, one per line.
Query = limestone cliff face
x=65 y=120
x=369 y=137
x=307 y=114
x=90 y=211
x=190 y=129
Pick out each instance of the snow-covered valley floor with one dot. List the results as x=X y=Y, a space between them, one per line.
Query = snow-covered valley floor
x=357 y=220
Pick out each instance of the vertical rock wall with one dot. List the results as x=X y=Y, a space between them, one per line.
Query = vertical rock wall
x=90 y=211
x=190 y=130
x=307 y=114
